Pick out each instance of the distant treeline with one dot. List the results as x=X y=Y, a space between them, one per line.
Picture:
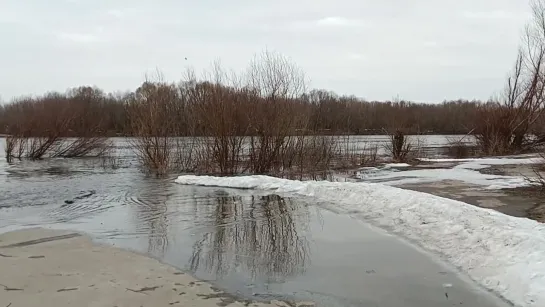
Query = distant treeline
x=87 y=111
x=262 y=121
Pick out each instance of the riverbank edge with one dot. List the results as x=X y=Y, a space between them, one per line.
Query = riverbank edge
x=68 y=268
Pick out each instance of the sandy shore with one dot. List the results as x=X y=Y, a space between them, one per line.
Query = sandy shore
x=58 y=268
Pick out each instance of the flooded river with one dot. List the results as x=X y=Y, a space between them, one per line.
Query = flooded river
x=252 y=244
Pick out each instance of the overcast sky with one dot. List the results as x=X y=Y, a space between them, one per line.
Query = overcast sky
x=421 y=50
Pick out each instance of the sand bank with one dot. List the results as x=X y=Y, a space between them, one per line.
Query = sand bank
x=61 y=268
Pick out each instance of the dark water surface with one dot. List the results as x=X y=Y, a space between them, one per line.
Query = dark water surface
x=253 y=244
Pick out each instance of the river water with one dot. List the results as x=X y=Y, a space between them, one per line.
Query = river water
x=252 y=244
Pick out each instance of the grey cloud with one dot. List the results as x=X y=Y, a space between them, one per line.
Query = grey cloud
x=424 y=50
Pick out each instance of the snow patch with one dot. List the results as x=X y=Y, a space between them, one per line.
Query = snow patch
x=502 y=253
x=434 y=175
x=368 y=172
x=527 y=159
x=466 y=171
x=394 y=165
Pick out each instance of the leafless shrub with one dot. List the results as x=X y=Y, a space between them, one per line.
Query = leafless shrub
x=39 y=146
x=110 y=162
x=307 y=157
x=40 y=126
x=538 y=178
x=203 y=161
x=109 y=159
x=369 y=155
x=185 y=154
x=49 y=118
x=399 y=146
x=493 y=133
x=349 y=154
x=419 y=150
x=15 y=147
x=537 y=181
x=20 y=145
x=459 y=148
x=317 y=155
x=153 y=153
x=85 y=136
x=220 y=105
x=11 y=144
x=151 y=113
x=81 y=147
x=292 y=152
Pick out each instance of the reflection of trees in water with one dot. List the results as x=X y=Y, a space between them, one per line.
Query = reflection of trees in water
x=151 y=215
x=261 y=238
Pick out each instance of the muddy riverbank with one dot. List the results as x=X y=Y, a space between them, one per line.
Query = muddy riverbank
x=528 y=201
x=500 y=183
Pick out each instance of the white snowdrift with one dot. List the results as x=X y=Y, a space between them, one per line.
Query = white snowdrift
x=504 y=254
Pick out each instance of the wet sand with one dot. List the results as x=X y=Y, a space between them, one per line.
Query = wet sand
x=62 y=268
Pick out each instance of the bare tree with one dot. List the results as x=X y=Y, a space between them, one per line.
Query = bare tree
x=276 y=115
x=503 y=126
